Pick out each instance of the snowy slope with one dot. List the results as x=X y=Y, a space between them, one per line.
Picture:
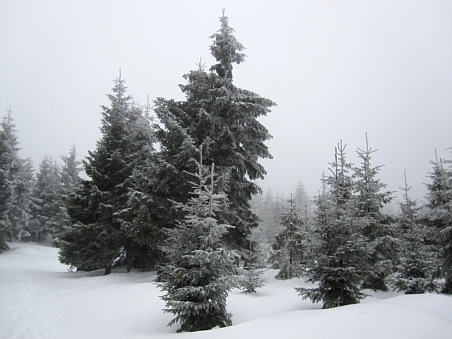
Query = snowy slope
x=40 y=298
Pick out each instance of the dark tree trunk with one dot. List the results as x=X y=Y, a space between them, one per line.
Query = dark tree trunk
x=107 y=269
x=448 y=286
x=129 y=258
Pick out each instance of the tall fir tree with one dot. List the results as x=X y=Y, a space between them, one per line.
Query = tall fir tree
x=338 y=266
x=446 y=234
x=440 y=208
x=143 y=235
x=48 y=210
x=9 y=169
x=98 y=209
x=198 y=276
x=69 y=179
x=224 y=118
x=289 y=248
x=436 y=197
x=381 y=245
x=416 y=269
x=23 y=189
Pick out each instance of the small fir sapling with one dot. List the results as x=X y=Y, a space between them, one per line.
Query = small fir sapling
x=440 y=208
x=201 y=269
x=250 y=277
x=289 y=248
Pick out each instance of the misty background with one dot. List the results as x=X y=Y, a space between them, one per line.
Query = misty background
x=336 y=69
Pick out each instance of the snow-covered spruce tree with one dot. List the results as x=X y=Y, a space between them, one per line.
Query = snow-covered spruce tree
x=268 y=210
x=198 y=276
x=70 y=172
x=250 y=276
x=80 y=242
x=23 y=189
x=303 y=202
x=415 y=272
x=436 y=197
x=289 y=247
x=140 y=219
x=97 y=208
x=259 y=248
x=48 y=211
x=446 y=236
x=337 y=269
x=224 y=118
x=9 y=168
x=440 y=207
x=69 y=179
x=381 y=246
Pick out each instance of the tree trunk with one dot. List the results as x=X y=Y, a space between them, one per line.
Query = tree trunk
x=448 y=286
x=107 y=269
x=129 y=259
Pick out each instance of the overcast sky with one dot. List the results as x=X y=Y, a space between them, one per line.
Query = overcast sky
x=336 y=69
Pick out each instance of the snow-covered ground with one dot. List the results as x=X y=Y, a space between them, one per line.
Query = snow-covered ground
x=40 y=298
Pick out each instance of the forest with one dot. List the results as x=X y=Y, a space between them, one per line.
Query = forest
x=171 y=187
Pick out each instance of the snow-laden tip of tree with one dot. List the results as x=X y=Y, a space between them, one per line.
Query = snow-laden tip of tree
x=226 y=49
x=198 y=277
x=338 y=267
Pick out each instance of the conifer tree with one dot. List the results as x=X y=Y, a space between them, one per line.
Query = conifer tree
x=337 y=269
x=139 y=219
x=269 y=211
x=446 y=237
x=9 y=168
x=440 y=206
x=259 y=248
x=98 y=209
x=80 y=243
x=70 y=171
x=23 y=190
x=198 y=276
x=255 y=259
x=251 y=278
x=435 y=198
x=370 y=199
x=224 y=118
x=48 y=211
x=290 y=245
x=69 y=179
x=322 y=216
x=415 y=272
x=303 y=202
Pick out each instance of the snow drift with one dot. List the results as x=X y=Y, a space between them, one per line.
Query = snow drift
x=41 y=298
